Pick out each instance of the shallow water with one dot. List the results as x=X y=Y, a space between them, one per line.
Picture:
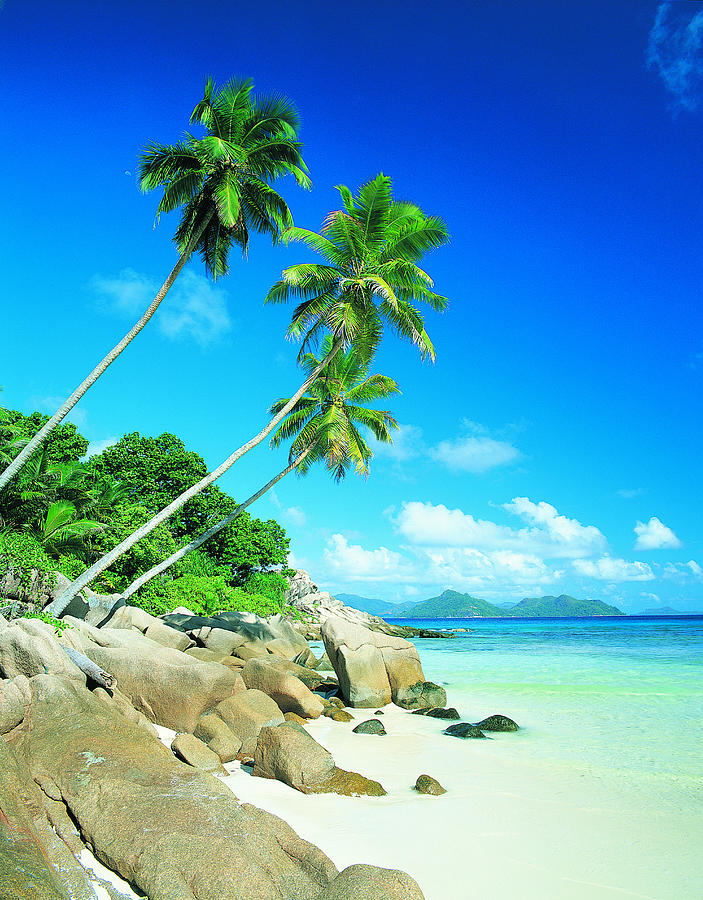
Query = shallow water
x=620 y=698
x=597 y=797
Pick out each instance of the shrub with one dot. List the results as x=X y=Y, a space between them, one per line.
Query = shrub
x=205 y=595
x=21 y=552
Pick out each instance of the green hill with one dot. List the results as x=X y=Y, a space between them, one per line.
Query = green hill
x=452 y=605
x=564 y=605
x=371 y=605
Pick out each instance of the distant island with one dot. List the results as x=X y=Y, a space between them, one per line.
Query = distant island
x=454 y=605
x=669 y=611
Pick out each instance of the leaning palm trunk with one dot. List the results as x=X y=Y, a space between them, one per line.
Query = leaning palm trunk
x=57 y=606
x=88 y=382
x=211 y=532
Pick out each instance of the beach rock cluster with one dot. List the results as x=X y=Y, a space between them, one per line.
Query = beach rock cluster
x=316 y=605
x=376 y=668
x=83 y=765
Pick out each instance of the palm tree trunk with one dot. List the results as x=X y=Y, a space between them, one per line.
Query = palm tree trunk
x=211 y=532
x=88 y=382
x=57 y=606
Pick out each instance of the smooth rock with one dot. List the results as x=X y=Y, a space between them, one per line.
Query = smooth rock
x=370 y=726
x=172 y=831
x=28 y=647
x=171 y=688
x=247 y=712
x=211 y=730
x=422 y=694
x=13 y=705
x=464 y=730
x=372 y=883
x=426 y=784
x=436 y=712
x=497 y=723
x=288 y=691
x=193 y=751
x=338 y=715
x=288 y=753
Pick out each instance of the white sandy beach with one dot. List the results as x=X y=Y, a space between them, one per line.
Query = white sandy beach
x=508 y=827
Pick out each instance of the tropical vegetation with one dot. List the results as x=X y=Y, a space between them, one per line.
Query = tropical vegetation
x=373 y=246
x=115 y=491
x=221 y=181
x=147 y=506
x=324 y=426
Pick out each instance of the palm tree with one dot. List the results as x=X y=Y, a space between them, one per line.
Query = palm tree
x=221 y=182
x=373 y=245
x=325 y=425
x=372 y=248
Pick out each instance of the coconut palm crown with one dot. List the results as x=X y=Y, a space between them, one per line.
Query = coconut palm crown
x=372 y=248
x=327 y=421
x=222 y=179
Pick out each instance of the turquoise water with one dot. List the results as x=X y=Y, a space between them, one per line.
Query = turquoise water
x=619 y=700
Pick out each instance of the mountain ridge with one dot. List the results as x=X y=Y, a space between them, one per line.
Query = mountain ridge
x=455 y=605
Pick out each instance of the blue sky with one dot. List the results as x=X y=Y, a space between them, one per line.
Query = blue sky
x=555 y=444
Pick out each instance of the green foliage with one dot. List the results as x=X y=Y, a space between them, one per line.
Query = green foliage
x=22 y=553
x=70 y=565
x=156 y=470
x=370 y=275
x=263 y=593
x=65 y=444
x=153 y=548
x=222 y=180
x=59 y=625
x=328 y=423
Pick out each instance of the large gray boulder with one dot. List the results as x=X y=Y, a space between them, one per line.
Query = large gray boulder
x=289 y=692
x=35 y=860
x=242 y=633
x=372 y=883
x=172 y=831
x=373 y=668
x=29 y=647
x=247 y=712
x=288 y=753
x=168 y=686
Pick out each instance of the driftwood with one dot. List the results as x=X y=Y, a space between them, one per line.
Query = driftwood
x=89 y=668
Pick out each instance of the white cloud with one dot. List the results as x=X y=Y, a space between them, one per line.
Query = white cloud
x=695 y=568
x=193 y=308
x=296 y=516
x=630 y=493
x=550 y=535
x=49 y=405
x=654 y=535
x=129 y=293
x=608 y=568
x=95 y=447
x=197 y=309
x=675 y=51
x=407 y=444
x=358 y=564
x=474 y=454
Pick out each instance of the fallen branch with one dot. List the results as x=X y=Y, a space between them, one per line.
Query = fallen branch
x=89 y=668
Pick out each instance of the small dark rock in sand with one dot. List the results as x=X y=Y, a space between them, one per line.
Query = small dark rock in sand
x=426 y=784
x=464 y=730
x=497 y=723
x=379 y=712
x=370 y=726
x=437 y=713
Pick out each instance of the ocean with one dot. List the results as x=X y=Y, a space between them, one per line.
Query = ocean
x=598 y=796
x=619 y=697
